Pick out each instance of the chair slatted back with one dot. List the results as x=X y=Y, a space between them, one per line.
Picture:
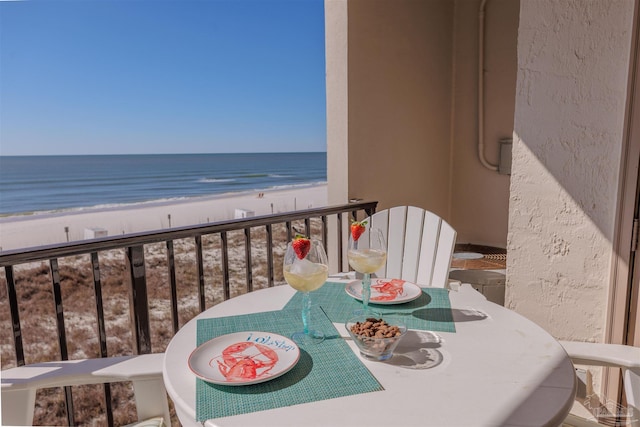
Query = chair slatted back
x=419 y=245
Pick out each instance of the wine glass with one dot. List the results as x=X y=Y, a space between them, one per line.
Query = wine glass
x=306 y=270
x=367 y=253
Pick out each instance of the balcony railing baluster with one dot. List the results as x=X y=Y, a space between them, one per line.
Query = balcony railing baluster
x=339 y=227
x=307 y=227
x=200 y=267
x=270 y=271
x=102 y=333
x=325 y=234
x=289 y=231
x=62 y=335
x=97 y=290
x=247 y=257
x=58 y=309
x=138 y=301
x=171 y=263
x=15 y=315
x=226 y=290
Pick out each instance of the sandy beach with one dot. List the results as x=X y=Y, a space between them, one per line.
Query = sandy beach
x=23 y=231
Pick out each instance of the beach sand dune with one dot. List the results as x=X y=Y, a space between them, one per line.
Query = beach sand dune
x=22 y=231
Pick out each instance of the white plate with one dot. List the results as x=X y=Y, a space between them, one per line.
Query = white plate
x=467 y=255
x=386 y=291
x=244 y=358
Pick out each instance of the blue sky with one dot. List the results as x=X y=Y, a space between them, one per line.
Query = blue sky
x=176 y=76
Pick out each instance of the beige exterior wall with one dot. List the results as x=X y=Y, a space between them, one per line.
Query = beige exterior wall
x=402 y=107
x=337 y=100
x=479 y=196
x=399 y=102
x=573 y=59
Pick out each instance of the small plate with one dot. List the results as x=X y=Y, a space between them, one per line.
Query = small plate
x=244 y=358
x=386 y=291
x=467 y=255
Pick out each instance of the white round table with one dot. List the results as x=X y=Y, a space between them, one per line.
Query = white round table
x=498 y=368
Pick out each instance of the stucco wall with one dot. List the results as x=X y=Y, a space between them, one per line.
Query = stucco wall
x=573 y=59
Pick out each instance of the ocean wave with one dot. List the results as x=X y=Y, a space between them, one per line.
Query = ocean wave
x=98 y=207
x=9 y=216
x=254 y=175
x=214 y=180
x=246 y=175
x=290 y=186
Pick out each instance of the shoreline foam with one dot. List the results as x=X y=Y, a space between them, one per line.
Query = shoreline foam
x=22 y=231
x=153 y=202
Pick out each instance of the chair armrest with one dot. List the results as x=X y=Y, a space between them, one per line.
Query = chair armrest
x=83 y=371
x=611 y=355
x=597 y=354
x=19 y=385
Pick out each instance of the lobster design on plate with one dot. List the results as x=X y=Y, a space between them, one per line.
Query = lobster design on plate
x=388 y=290
x=246 y=361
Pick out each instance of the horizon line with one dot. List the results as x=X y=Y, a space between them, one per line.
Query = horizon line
x=161 y=154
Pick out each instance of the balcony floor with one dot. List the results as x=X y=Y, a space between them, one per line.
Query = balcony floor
x=479 y=258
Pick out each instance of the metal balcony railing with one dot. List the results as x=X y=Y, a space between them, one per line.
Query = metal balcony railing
x=134 y=244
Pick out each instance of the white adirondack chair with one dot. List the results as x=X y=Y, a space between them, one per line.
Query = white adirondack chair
x=419 y=245
x=19 y=385
x=613 y=355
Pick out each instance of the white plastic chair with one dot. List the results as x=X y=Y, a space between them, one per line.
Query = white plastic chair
x=19 y=385
x=419 y=245
x=611 y=355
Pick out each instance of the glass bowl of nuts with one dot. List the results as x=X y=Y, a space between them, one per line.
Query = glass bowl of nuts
x=376 y=337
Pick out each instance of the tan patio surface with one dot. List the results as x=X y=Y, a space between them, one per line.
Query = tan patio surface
x=493 y=258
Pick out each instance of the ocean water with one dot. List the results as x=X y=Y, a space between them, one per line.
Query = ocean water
x=31 y=184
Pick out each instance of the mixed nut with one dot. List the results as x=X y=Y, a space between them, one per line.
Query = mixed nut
x=375 y=337
x=375 y=328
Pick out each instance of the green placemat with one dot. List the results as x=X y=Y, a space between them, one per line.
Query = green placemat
x=325 y=371
x=430 y=312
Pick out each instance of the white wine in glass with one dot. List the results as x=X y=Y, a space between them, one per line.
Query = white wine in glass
x=305 y=268
x=366 y=257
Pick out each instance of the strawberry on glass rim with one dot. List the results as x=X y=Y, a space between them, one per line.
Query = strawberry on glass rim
x=357 y=228
x=301 y=246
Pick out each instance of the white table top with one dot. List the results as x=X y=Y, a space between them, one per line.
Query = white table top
x=498 y=368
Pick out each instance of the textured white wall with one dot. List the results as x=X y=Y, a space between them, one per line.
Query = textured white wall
x=573 y=58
